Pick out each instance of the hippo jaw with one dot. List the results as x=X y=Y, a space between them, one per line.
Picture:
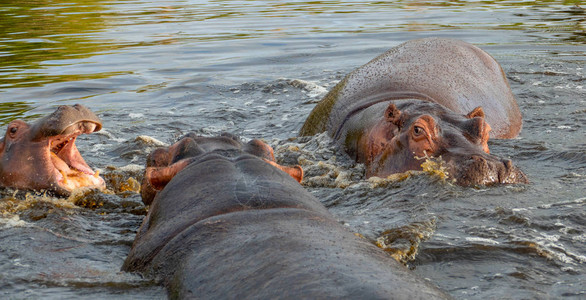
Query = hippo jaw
x=474 y=170
x=70 y=170
x=43 y=155
x=485 y=170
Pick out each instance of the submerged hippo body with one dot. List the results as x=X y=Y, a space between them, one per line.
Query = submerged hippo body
x=230 y=225
x=424 y=98
x=43 y=155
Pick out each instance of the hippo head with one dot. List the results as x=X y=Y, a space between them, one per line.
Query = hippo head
x=412 y=131
x=164 y=163
x=43 y=156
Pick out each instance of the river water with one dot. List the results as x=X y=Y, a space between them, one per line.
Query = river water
x=153 y=70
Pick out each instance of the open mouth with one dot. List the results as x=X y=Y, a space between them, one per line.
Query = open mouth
x=71 y=171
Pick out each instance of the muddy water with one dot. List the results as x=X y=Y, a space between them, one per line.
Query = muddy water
x=155 y=70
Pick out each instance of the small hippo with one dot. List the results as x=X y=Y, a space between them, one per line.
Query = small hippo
x=227 y=223
x=425 y=98
x=43 y=156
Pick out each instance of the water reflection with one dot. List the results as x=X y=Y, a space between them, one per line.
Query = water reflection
x=10 y=111
x=40 y=39
x=36 y=31
x=38 y=35
x=162 y=68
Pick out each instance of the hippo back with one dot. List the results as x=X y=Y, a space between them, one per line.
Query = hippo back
x=287 y=254
x=241 y=229
x=452 y=73
x=213 y=187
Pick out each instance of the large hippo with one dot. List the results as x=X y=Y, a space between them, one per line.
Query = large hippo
x=230 y=225
x=429 y=97
x=43 y=155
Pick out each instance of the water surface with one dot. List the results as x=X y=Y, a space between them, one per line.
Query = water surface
x=256 y=69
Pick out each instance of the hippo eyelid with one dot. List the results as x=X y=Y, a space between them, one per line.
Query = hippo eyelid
x=418 y=130
x=12 y=131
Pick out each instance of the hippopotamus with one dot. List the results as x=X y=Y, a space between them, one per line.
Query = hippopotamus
x=425 y=98
x=164 y=163
x=226 y=222
x=43 y=155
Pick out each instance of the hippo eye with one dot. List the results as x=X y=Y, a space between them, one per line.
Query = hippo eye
x=418 y=130
x=13 y=130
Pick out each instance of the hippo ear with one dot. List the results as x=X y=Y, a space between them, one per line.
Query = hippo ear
x=478 y=127
x=296 y=172
x=154 y=180
x=260 y=149
x=185 y=148
x=158 y=158
x=158 y=177
x=393 y=115
x=477 y=112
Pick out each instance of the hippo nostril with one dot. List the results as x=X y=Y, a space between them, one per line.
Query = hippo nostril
x=505 y=171
x=508 y=164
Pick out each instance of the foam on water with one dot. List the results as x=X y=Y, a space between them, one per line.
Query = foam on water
x=481 y=240
x=325 y=165
x=313 y=89
x=12 y=221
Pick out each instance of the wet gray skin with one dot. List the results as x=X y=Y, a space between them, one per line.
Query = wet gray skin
x=43 y=156
x=445 y=87
x=230 y=225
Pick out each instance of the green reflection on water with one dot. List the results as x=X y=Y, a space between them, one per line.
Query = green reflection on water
x=34 y=32
x=37 y=35
x=10 y=111
x=30 y=80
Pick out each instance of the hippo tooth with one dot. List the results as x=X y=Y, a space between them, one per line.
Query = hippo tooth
x=91 y=127
x=64 y=177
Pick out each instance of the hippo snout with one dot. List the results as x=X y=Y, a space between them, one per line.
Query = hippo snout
x=512 y=174
x=486 y=170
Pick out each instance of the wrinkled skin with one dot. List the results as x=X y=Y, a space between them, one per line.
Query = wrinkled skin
x=424 y=98
x=408 y=132
x=231 y=225
x=43 y=156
